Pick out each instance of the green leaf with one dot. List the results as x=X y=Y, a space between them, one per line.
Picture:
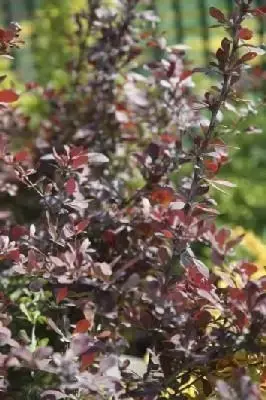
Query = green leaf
x=25 y=312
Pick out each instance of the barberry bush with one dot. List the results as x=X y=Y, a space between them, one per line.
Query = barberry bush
x=107 y=213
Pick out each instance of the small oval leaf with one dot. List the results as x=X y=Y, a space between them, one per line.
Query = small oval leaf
x=70 y=186
x=61 y=294
x=8 y=96
x=82 y=326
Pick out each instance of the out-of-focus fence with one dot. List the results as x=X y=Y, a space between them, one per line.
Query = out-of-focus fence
x=183 y=21
x=20 y=10
x=188 y=21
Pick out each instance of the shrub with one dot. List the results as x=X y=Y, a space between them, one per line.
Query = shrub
x=119 y=178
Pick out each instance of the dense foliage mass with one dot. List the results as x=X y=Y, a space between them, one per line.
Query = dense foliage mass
x=248 y=144
x=106 y=214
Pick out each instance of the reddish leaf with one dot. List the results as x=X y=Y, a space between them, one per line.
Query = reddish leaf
x=7 y=35
x=207 y=295
x=248 y=268
x=21 y=156
x=17 y=232
x=217 y=14
x=70 y=186
x=13 y=255
x=146 y=229
x=168 y=138
x=241 y=318
x=237 y=294
x=61 y=294
x=171 y=69
x=31 y=85
x=245 y=34
x=203 y=317
x=211 y=165
x=152 y=43
x=221 y=56
x=87 y=360
x=263 y=382
x=49 y=93
x=257 y=71
x=82 y=326
x=221 y=236
x=234 y=242
x=184 y=75
x=8 y=96
x=197 y=279
x=32 y=262
x=164 y=196
x=82 y=225
x=225 y=45
x=80 y=161
x=248 y=56
x=145 y=35
x=260 y=11
x=109 y=237
x=76 y=151
x=167 y=234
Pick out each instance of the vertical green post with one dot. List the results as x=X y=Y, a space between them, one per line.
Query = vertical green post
x=230 y=6
x=25 y=63
x=204 y=25
x=30 y=6
x=177 y=7
x=261 y=22
x=7 y=12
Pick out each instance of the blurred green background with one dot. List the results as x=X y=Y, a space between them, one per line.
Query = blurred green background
x=46 y=26
x=183 y=21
